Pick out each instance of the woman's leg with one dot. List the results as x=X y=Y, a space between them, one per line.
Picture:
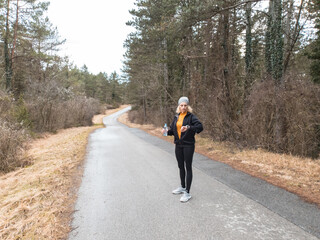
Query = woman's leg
x=188 y=157
x=180 y=159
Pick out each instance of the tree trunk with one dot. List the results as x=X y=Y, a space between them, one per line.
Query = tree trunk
x=15 y=34
x=277 y=72
x=227 y=84
x=274 y=66
x=8 y=66
x=144 y=105
x=14 y=47
x=248 y=54
x=287 y=26
x=208 y=42
x=269 y=39
x=225 y=52
x=165 y=78
x=274 y=42
x=234 y=37
x=291 y=38
x=277 y=53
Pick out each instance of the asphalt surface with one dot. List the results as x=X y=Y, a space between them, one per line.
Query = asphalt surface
x=126 y=194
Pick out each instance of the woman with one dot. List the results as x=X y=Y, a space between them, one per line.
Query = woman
x=184 y=126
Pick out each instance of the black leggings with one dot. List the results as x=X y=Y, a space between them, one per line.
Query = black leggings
x=184 y=157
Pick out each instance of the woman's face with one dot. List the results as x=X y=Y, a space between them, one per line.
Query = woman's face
x=183 y=107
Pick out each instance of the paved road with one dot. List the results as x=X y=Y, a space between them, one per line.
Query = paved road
x=126 y=194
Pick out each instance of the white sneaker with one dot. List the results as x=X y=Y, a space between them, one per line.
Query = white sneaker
x=185 y=197
x=179 y=190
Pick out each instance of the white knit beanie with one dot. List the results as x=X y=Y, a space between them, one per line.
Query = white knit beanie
x=183 y=99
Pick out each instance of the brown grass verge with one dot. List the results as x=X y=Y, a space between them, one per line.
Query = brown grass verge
x=297 y=175
x=36 y=202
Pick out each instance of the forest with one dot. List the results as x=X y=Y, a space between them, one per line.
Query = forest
x=40 y=91
x=250 y=68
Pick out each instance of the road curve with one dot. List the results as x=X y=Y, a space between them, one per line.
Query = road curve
x=126 y=194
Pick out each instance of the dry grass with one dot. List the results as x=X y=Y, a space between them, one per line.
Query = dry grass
x=298 y=175
x=35 y=199
x=36 y=202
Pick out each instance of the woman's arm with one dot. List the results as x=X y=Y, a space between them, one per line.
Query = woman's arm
x=170 y=131
x=195 y=124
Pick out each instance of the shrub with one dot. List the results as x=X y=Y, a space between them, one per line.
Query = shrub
x=11 y=143
x=52 y=107
x=47 y=107
x=6 y=106
x=300 y=101
x=80 y=110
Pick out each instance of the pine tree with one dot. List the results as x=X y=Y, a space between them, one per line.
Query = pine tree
x=248 y=53
x=314 y=54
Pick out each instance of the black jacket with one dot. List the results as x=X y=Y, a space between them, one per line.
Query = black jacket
x=187 y=137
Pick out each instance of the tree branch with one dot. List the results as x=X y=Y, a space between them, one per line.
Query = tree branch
x=295 y=35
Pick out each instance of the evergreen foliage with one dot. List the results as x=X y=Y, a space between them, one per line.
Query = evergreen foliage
x=314 y=54
x=218 y=53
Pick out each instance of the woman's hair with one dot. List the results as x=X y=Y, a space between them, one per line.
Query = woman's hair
x=189 y=109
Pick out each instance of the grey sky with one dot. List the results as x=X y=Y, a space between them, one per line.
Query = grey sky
x=95 y=31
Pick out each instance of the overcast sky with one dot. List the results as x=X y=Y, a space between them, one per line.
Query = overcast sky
x=94 y=31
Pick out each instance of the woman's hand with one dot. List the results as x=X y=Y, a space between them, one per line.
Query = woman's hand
x=163 y=131
x=185 y=128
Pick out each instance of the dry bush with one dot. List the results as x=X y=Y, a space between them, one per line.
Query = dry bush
x=214 y=115
x=47 y=107
x=135 y=116
x=11 y=143
x=12 y=134
x=42 y=101
x=79 y=111
x=217 y=112
x=259 y=116
x=6 y=106
x=302 y=112
x=300 y=101
x=52 y=107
